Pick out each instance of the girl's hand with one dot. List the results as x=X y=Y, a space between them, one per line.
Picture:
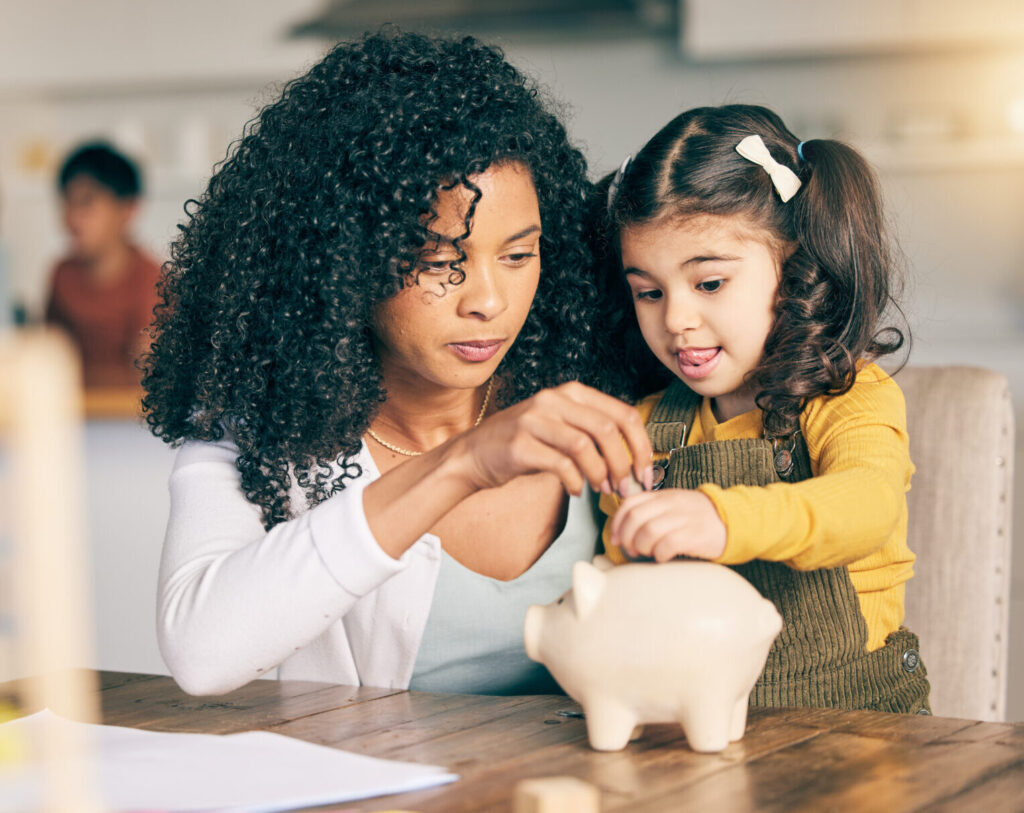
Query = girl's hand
x=666 y=524
x=573 y=431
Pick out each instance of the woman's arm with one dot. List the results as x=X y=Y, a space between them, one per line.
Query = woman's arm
x=572 y=431
x=236 y=600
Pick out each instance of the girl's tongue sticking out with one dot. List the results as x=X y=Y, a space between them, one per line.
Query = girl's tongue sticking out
x=697 y=362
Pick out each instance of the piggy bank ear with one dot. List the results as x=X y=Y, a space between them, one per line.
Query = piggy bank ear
x=587 y=586
x=602 y=562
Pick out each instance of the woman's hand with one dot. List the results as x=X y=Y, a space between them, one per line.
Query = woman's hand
x=665 y=524
x=573 y=431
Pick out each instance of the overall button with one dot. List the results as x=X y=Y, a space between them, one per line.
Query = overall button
x=911 y=660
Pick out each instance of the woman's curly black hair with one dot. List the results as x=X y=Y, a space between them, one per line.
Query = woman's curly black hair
x=318 y=214
x=839 y=276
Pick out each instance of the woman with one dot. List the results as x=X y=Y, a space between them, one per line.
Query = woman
x=368 y=366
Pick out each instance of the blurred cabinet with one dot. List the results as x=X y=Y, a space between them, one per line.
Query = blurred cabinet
x=753 y=29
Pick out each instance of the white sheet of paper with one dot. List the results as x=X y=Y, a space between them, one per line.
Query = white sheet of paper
x=255 y=771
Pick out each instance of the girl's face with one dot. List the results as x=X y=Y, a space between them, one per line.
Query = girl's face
x=704 y=290
x=455 y=335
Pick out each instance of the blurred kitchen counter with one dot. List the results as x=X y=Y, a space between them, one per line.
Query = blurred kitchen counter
x=105 y=403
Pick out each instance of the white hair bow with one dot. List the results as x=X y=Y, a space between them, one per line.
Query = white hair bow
x=783 y=178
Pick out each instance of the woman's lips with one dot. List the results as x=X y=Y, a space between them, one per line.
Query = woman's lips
x=698 y=362
x=477 y=350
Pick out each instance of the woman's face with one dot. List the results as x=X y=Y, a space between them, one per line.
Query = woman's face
x=455 y=335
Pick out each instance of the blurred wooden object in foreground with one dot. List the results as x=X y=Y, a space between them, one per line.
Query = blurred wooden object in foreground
x=43 y=523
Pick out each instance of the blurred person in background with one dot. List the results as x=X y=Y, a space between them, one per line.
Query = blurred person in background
x=103 y=293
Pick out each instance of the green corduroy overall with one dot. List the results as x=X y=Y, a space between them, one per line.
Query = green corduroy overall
x=819 y=658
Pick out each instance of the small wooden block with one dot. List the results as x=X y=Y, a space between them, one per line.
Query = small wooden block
x=556 y=794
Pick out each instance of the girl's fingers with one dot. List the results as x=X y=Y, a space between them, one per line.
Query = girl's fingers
x=667 y=524
x=667 y=549
x=625 y=513
x=658 y=528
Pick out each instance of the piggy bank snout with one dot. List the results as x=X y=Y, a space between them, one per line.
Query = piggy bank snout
x=532 y=628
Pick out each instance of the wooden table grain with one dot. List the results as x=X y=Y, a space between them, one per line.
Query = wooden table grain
x=788 y=760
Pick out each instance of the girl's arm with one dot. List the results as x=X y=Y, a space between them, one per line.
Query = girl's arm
x=855 y=502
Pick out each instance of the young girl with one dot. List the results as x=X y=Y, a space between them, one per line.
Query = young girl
x=759 y=276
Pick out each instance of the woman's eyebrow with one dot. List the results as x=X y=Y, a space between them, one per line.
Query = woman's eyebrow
x=443 y=242
x=519 y=235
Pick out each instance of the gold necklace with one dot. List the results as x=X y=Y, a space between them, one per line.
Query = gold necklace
x=409 y=452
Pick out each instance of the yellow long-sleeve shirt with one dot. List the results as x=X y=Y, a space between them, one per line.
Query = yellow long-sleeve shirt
x=852 y=512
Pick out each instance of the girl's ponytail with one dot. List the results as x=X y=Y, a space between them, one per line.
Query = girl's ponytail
x=838 y=221
x=836 y=287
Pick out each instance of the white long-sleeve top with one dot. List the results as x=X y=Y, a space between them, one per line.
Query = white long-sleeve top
x=315 y=597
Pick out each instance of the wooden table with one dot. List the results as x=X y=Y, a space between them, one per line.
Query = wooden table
x=789 y=759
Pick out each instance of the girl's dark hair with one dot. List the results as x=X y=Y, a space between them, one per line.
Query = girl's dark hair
x=836 y=284
x=318 y=214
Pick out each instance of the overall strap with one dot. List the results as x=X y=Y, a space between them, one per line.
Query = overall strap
x=672 y=417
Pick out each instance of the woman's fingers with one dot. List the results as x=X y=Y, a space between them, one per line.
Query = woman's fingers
x=581 y=431
x=589 y=437
x=620 y=422
x=566 y=452
x=537 y=456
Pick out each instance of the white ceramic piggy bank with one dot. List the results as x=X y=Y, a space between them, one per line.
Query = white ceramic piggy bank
x=655 y=643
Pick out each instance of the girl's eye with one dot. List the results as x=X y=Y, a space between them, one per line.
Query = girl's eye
x=709 y=286
x=653 y=294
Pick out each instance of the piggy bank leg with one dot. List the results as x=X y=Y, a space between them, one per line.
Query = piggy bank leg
x=707 y=723
x=739 y=719
x=610 y=725
x=637 y=733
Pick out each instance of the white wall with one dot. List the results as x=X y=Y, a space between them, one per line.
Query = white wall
x=937 y=126
x=48 y=44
